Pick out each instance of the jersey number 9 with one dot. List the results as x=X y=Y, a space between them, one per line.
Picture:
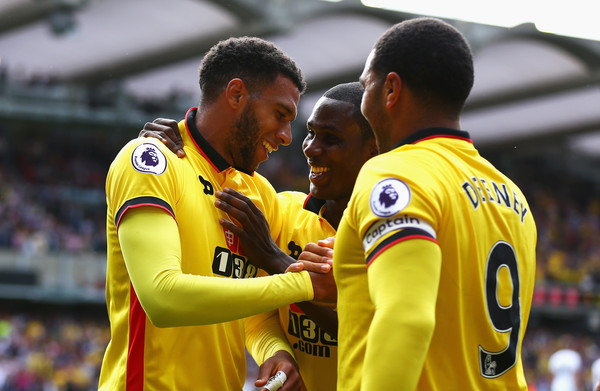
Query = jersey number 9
x=503 y=318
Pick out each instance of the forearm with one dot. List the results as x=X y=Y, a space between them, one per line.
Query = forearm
x=171 y=298
x=264 y=336
x=276 y=263
x=323 y=316
x=403 y=284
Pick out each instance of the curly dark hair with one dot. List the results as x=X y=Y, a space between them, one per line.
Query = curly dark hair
x=352 y=93
x=432 y=57
x=254 y=60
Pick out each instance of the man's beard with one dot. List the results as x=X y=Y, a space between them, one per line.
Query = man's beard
x=244 y=140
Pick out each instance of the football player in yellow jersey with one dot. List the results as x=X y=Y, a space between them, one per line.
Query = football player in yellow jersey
x=175 y=304
x=338 y=141
x=434 y=258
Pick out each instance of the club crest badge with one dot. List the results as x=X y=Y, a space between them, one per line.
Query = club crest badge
x=231 y=239
x=147 y=158
x=388 y=197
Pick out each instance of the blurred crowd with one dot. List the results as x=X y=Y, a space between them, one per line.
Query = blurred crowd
x=52 y=199
x=61 y=352
x=540 y=344
x=52 y=352
x=52 y=192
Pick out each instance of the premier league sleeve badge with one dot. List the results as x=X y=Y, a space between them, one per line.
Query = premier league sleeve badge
x=388 y=197
x=147 y=158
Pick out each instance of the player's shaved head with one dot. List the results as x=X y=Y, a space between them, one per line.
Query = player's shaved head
x=352 y=93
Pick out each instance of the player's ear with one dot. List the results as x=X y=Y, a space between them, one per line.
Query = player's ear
x=392 y=89
x=236 y=93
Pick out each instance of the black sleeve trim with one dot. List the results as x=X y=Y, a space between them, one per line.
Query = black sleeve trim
x=400 y=236
x=142 y=201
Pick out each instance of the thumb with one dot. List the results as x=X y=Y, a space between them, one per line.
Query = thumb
x=328 y=242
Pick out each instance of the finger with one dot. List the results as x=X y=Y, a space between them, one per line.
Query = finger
x=242 y=209
x=318 y=250
x=239 y=196
x=233 y=199
x=265 y=371
x=233 y=211
x=295 y=267
x=323 y=255
x=315 y=267
x=329 y=242
x=170 y=123
x=174 y=141
x=170 y=129
x=164 y=135
x=152 y=134
x=156 y=127
x=236 y=229
x=293 y=383
x=276 y=381
x=176 y=148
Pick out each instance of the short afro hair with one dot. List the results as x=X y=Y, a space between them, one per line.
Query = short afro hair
x=254 y=60
x=432 y=57
x=352 y=93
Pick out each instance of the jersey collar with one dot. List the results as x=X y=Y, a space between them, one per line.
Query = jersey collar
x=213 y=157
x=429 y=133
x=313 y=204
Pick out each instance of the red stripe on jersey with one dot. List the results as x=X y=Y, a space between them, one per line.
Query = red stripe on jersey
x=137 y=337
x=296 y=309
x=402 y=239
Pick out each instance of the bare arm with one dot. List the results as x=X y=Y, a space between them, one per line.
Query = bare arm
x=254 y=234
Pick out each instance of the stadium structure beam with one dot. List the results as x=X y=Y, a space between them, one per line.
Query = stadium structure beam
x=257 y=18
x=548 y=88
x=19 y=13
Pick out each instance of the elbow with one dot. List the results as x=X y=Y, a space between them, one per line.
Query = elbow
x=160 y=302
x=160 y=321
x=418 y=324
x=158 y=313
x=422 y=325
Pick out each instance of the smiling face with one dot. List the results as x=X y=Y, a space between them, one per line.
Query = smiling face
x=335 y=148
x=264 y=124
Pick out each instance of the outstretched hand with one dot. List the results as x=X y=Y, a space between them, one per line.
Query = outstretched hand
x=167 y=131
x=253 y=231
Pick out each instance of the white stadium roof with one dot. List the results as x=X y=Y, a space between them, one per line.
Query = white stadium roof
x=529 y=85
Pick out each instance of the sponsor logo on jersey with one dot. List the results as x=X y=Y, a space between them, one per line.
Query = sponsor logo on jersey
x=389 y=196
x=312 y=340
x=229 y=264
x=147 y=158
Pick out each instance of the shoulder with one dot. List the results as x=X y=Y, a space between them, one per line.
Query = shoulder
x=146 y=155
x=292 y=198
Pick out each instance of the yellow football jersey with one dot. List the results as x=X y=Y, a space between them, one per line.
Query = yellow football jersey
x=437 y=187
x=141 y=356
x=315 y=349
